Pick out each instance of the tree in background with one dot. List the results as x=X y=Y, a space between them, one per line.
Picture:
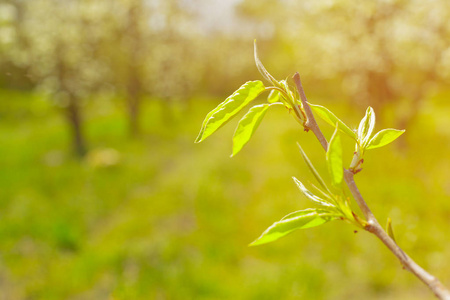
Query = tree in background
x=380 y=53
x=75 y=49
x=125 y=52
x=55 y=43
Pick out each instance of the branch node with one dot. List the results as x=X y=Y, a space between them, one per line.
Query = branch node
x=310 y=120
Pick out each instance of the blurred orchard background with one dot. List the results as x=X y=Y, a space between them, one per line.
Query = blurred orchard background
x=104 y=195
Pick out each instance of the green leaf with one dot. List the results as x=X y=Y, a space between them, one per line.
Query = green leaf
x=326 y=115
x=389 y=230
x=384 y=137
x=310 y=195
x=334 y=158
x=247 y=126
x=229 y=108
x=305 y=211
x=366 y=126
x=262 y=69
x=313 y=170
x=323 y=193
x=298 y=220
x=274 y=96
x=290 y=96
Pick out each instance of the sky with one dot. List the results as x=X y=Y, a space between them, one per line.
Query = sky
x=219 y=16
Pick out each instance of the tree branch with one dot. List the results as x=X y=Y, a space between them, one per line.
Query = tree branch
x=348 y=176
x=372 y=225
x=310 y=122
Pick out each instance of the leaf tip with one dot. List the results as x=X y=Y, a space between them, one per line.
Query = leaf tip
x=255 y=243
x=296 y=180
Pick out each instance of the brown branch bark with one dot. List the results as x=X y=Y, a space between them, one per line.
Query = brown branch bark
x=372 y=225
x=310 y=122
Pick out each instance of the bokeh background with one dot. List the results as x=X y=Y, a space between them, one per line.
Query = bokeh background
x=104 y=195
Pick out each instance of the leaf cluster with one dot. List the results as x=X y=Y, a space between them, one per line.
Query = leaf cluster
x=280 y=93
x=331 y=198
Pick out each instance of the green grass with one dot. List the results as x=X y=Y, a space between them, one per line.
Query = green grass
x=170 y=219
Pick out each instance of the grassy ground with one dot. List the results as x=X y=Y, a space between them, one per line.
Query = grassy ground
x=160 y=217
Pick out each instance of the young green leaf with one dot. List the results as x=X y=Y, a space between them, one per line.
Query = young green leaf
x=329 y=198
x=313 y=170
x=334 y=158
x=229 y=108
x=290 y=96
x=306 y=211
x=262 y=69
x=310 y=195
x=384 y=137
x=247 y=126
x=366 y=126
x=326 y=115
x=389 y=230
x=297 y=220
x=274 y=96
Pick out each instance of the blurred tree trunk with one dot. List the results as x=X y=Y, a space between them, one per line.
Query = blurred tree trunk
x=73 y=111
x=379 y=91
x=73 y=114
x=413 y=112
x=134 y=85
x=134 y=103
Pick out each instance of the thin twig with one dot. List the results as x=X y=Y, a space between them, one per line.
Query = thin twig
x=310 y=122
x=348 y=176
x=372 y=223
x=374 y=227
